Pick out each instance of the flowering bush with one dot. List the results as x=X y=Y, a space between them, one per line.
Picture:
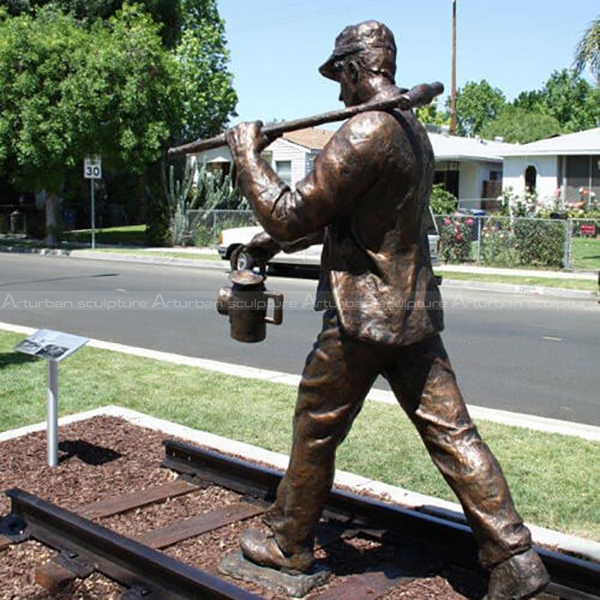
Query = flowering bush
x=551 y=204
x=456 y=236
x=498 y=243
x=516 y=206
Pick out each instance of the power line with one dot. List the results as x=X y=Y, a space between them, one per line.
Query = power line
x=265 y=23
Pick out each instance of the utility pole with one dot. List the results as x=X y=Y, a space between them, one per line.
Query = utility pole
x=453 y=91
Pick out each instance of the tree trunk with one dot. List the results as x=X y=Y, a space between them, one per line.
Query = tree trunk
x=52 y=204
x=141 y=201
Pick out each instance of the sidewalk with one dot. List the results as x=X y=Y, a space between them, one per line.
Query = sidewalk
x=582 y=275
x=209 y=258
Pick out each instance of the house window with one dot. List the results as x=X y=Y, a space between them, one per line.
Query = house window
x=449 y=179
x=310 y=160
x=583 y=175
x=267 y=156
x=284 y=170
x=530 y=180
x=219 y=169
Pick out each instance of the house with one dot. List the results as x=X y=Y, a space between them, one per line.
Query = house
x=469 y=168
x=291 y=156
x=567 y=166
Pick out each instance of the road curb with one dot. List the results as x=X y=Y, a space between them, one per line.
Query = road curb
x=222 y=265
x=154 y=260
x=502 y=417
x=511 y=288
x=589 y=549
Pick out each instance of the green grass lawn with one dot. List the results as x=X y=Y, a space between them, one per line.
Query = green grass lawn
x=586 y=254
x=554 y=479
x=131 y=235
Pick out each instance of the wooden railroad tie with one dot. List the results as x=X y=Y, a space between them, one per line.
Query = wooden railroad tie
x=54 y=575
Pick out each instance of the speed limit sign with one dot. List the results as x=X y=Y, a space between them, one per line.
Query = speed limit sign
x=92 y=167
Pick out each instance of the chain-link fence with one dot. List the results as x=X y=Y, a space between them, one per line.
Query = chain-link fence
x=504 y=242
x=484 y=240
x=206 y=225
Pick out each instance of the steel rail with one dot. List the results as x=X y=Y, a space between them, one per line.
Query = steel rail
x=146 y=572
x=572 y=578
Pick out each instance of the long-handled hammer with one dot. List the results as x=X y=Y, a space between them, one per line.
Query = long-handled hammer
x=418 y=96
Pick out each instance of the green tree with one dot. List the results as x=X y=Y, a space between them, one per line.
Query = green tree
x=477 y=104
x=165 y=12
x=530 y=101
x=587 y=53
x=208 y=96
x=518 y=125
x=571 y=100
x=431 y=114
x=66 y=91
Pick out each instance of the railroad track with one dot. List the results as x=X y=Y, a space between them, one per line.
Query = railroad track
x=138 y=564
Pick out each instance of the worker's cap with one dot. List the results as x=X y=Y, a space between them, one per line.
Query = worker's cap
x=375 y=44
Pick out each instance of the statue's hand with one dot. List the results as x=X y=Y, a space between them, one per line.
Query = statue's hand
x=256 y=253
x=247 y=137
x=404 y=102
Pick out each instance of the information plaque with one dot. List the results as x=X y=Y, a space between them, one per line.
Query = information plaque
x=51 y=345
x=54 y=346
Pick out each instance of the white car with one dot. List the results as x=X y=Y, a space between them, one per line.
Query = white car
x=231 y=239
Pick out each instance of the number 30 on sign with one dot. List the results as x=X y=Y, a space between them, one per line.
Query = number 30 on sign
x=92 y=167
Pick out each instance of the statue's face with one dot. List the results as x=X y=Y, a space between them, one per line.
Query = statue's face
x=349 y=79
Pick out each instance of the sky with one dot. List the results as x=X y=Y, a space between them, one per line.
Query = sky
x=277 y=46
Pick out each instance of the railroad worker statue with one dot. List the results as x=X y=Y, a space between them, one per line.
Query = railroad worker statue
x=367 y=200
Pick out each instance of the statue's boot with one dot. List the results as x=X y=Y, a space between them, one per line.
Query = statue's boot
x=517 y=578
x=263 y=549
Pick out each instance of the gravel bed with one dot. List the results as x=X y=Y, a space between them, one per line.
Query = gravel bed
x=106 y=456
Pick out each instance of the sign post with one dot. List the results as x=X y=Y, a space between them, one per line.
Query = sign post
x=54 y=346
x=52 y=414
x=92 y=170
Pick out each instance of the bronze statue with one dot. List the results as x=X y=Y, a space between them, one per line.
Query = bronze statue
x=366 y=200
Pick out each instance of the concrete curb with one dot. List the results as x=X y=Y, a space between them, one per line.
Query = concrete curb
x=118 y=257
x=587 y=275
x=153 y=260
x=542 y=536
x=492 y=415
x=511 y=288
x=219 y=264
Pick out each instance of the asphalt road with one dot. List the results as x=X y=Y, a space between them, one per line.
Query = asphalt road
x=536 y=355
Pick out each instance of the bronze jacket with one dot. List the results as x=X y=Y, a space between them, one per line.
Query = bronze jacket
x=369 y=191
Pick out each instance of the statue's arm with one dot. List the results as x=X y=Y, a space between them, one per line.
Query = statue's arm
x=346 y=167
x=262 y=247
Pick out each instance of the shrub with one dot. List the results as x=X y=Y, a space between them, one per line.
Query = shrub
x=441 y=201
x=456 y=236
x=157 y=222
x=539 y=242
x=498 y=243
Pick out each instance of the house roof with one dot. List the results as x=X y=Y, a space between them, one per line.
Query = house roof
x=311 y=138
x=454 y=148
x=445 y=147
x=582 y=142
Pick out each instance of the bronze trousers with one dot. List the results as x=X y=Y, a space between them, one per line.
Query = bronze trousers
x=337 y=377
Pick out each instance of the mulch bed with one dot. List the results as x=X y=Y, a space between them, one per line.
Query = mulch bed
x=106 y=456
